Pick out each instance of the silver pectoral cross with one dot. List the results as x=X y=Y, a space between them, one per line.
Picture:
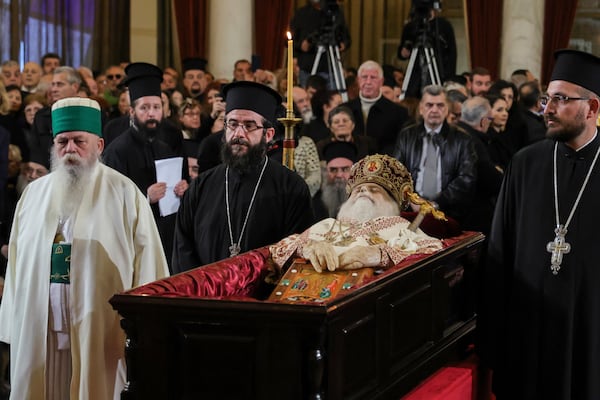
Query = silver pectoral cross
x=558 y=247
x=234 y=250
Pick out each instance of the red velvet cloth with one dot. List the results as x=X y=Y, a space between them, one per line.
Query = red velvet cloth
x=449 y=383
x=435 y=227
x=239 y=277
x=233 y=277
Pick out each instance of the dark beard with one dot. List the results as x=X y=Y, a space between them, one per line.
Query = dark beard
x=567 y=132
x=333 y=195
x=245 y=162
x=144 y=129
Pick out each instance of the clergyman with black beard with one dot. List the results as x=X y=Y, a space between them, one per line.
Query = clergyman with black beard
x=134 y=152
x=539 y=320
x=248 y=201
x=339 y=158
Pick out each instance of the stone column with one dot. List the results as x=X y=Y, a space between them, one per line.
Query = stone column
x=230 y=35
x=143 y=31
x=522 y=37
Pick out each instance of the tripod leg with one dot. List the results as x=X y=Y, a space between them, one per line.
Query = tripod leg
x=434 y=76
x=320 y=51
x=409 y=72
x=435 y=67
x=337 y=71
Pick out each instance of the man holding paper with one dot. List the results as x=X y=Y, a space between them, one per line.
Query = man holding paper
x=136 y=151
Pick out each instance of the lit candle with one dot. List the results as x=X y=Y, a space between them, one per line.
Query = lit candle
x=290 y=72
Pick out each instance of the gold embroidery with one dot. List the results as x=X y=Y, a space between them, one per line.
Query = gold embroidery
x=375 y=239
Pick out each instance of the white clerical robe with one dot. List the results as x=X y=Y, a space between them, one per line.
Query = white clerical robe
x=391 y=234
x=116 y=246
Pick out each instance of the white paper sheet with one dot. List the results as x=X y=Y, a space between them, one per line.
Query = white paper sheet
x=169 y=170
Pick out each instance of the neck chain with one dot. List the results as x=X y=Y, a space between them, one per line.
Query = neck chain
x=235 y=248
x=559 y=246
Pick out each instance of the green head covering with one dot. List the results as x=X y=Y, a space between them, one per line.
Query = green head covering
x=76 y=114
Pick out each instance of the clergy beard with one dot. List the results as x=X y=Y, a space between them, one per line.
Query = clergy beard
x=333 y=194
x=568 y=130
x=145 y=129
x=72 y=174
x=307 y=115
x=363 y=208
x=248 y=161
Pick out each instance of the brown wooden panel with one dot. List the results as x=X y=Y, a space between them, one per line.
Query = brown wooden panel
x=358 y=359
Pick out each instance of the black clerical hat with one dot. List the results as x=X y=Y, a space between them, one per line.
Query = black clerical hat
x=194 y=63
x=190 y=148
x=577 y=67
x=142 y=79
x=39 y=155
x=340 y=149
x=246 y=95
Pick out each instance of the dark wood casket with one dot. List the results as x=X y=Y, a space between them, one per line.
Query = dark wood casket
x=212 y=332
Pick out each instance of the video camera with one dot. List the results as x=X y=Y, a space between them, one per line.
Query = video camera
x=330 y=11
x=421 y=8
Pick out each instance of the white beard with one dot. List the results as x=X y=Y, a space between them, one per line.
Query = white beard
x=71 y=181
x=363 y=209
x=307 y=115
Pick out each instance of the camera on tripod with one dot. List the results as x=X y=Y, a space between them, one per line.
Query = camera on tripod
x=327 y=34
x=423 y=57
x=326 y=39
x=421 y=12
x=422 y=8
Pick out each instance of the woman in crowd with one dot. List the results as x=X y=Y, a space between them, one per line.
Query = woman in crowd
x=9 y=122
x=500 y=150
x=213 y=109
x=516 y=129
x=322 y=103
x=124 y=104
x=189 y=119
x=341 y=125
x=32 y=104
x=14 y=99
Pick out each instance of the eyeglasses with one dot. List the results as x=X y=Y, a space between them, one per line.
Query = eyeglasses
x=247 y=126
x=559 y=99
x=115 y=76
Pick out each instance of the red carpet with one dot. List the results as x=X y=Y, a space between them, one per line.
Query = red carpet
x=459 y=381
x=448 y=383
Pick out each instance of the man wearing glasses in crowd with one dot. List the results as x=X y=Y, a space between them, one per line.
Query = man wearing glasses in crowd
x=248 y=201
x=114 y=75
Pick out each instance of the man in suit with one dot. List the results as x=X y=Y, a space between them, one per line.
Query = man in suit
x=440 y=158
x=375 y=115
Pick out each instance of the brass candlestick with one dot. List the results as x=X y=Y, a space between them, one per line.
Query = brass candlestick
x=289 y=122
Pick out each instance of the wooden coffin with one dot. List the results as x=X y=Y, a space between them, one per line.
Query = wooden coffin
x=376 y=341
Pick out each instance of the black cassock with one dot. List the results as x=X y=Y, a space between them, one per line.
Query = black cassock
x=541 y=332
x=282 y=206
x=134 y=156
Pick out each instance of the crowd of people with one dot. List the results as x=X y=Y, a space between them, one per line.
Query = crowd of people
x=457 y=142
x=148 y=114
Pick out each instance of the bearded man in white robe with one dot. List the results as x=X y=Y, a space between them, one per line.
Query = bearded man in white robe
x=80 y=234
x=368 y=231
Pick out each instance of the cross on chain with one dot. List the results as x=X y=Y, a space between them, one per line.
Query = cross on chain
x=558 y=247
